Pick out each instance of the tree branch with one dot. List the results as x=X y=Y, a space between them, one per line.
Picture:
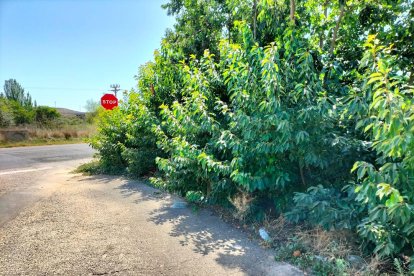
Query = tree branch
x=292 y=10
x=335 y=34
x=325 y=13
x=254 y=18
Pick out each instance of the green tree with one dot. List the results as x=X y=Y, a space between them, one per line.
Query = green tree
x=92 y=108
x=15 y=92
x=199 y=25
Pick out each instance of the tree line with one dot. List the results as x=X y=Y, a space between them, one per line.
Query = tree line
x=18 y=108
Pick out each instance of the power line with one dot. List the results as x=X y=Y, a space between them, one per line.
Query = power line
x=63 y=88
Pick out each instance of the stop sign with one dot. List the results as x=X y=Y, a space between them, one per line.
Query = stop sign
x=109 y=101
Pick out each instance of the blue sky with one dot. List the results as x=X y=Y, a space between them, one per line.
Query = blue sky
x=69 y=51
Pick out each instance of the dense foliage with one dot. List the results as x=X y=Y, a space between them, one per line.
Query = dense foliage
x=44 y=115
x=297 y=107
x=125 y=139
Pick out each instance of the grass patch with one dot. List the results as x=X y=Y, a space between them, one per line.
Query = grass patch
x=90 y=168
x=96 y=167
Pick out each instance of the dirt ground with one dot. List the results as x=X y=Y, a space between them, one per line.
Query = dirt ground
x=108 y=225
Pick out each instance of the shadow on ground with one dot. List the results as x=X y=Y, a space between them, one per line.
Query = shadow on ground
x=203 y=231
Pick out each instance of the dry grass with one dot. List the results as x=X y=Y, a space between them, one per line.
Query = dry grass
x=39 y=136
x=375 y=266
x=325 y=245
x=241 y=201
x=279 y=229
x=331 y=244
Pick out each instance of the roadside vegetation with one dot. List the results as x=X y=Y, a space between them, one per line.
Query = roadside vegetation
x=23 y=123
x=287 y=113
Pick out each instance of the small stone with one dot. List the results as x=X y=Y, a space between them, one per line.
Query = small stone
x=179 y=205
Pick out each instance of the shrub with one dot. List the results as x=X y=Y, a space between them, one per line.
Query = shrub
x=45 y=115
x=125 y=140
x=186 y=132
x=109 y=141
x=6 y=115
x=276 y=116
x=386 y=186
x=21 y=115
x=327 y=207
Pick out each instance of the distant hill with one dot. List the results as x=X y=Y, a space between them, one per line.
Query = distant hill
x=70 y=113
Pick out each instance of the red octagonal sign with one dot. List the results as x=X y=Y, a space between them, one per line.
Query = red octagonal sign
x=109 y=101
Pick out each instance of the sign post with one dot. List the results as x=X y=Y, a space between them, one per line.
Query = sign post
x=109 y=101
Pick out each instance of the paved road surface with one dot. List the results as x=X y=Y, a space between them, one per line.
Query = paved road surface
x=23 y=171
x=35 y=157
x=53 y=222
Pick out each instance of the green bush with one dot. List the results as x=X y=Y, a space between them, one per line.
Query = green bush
x=187 y=134
x=194 y=197
x=286 y=114
x=45 y=115
x=22 y=115
x=125 y=141
x=6 y=115
x=109 y=141
x=140 y=149
x=386 y=186
x=329 y=208
x=269 y=140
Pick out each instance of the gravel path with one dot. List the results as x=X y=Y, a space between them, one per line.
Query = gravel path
x=108 y=225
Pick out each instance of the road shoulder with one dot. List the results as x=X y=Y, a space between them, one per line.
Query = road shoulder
x=106 y=225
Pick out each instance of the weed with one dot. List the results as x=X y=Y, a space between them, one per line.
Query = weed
x=90 y=168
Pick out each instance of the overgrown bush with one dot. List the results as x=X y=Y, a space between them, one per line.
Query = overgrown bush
x=140 y=149
x=125 y=140
x=187 y=134
x=109 y=140
x=6 y=115
x=386 y=186
x=299 y=110
x=45 y=115
x=21 y=115
x=327 y=207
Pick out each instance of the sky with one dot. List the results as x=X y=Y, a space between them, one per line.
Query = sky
x=65 y=52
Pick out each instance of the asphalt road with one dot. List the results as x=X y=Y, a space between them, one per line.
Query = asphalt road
x=23 y=171
x=54 y=222
x=34 y=157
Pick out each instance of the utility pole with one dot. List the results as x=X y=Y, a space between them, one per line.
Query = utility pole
x=115 y=88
